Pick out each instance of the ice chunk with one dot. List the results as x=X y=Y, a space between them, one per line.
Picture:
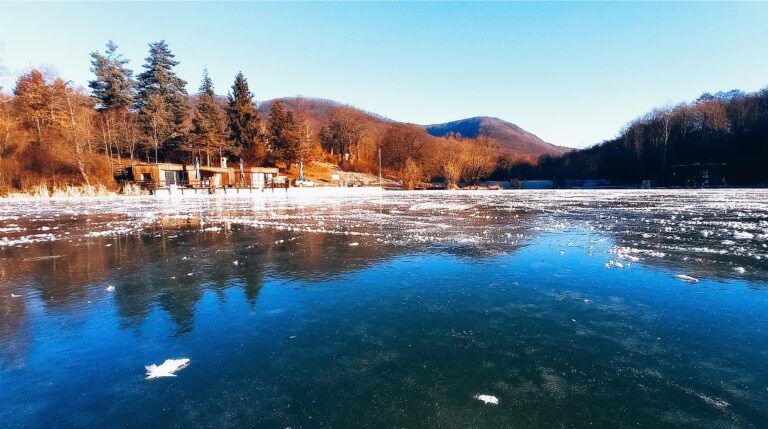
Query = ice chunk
x=167 y=368
x=110 y=288
x=488 y=399
x=13 y=295
x=354 y=243
x=686 y=278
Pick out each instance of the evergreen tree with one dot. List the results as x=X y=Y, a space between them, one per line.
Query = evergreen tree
x=242 y=117
x=291 y=142
x=209 y=125
x=114 y=91
x=162 y=98
x=114 y=85
x=284 y=134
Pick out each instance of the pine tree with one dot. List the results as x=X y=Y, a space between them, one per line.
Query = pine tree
x=209 y=125
x=162 y=98
x=242 y=117
x=284 y=134
x=114 y=85
x=114 y=91
x=291 y=141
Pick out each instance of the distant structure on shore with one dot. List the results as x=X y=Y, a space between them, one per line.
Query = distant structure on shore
x=154 y=176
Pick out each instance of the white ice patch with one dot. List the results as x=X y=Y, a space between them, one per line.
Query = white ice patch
x=167 y=368
x=687 y=278
x=488 y=399
x=439 y=206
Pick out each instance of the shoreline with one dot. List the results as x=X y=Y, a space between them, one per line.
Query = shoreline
x=330 y=191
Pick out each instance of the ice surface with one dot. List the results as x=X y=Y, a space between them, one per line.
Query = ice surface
x=715 y=230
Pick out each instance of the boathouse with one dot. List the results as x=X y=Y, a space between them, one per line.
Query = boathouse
x=162 y=175
x=258 y=177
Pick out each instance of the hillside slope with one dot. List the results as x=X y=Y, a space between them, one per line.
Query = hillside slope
x=511 y=138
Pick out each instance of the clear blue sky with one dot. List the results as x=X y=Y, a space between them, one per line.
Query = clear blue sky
x=572 y=73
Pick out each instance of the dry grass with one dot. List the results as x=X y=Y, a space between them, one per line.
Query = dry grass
x=132 y=189
x=41 y=190
x=98 y=190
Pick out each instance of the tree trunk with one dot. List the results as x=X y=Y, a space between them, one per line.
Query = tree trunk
x=39 y=131
x=75 y=141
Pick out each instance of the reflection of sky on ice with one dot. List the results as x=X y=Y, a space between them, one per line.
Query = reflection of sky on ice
x=447 y=296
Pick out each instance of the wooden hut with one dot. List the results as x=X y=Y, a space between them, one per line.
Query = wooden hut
x=256 y=177
x=212 y=177
x=159 y=174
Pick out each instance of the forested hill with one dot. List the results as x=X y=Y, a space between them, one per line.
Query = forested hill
x=724 y=133
x=510 y=137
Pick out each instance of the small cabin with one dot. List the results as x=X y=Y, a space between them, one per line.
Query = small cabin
x=163 y=175
x=159 y=174
x=211 y=177
x=257 y=177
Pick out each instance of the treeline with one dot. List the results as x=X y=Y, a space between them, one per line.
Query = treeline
x=727 y=129
x=53 y=133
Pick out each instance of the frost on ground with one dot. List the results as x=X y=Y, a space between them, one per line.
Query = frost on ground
x=711 y=232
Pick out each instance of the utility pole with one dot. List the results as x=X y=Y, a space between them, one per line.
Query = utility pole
x=380 y=183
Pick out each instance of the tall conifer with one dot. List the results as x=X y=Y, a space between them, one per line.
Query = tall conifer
x=242 y=117
x=209 y=125
x=162 y=98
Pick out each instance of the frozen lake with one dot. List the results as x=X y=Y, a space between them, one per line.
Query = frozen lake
x=571 y=308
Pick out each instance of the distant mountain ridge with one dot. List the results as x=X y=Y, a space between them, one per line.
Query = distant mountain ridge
x=511 y=138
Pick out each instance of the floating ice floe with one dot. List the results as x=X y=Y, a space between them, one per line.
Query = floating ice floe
x=167 y=368
x=687 y=278
x=354 y=243
x=13 y=295
x=110 y=288
x=740 y=270
x=488 y=399
x=235 y=263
